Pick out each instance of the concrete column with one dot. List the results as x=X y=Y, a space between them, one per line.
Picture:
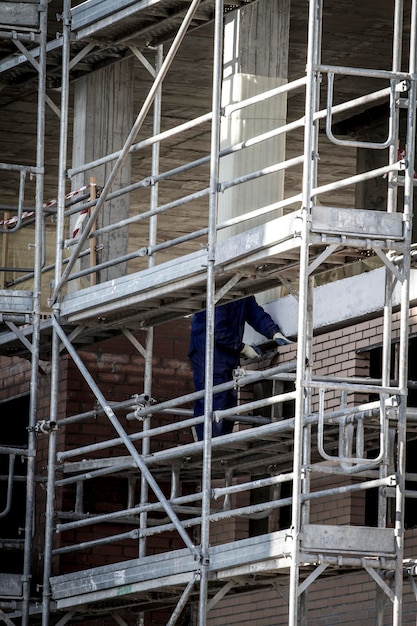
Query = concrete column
x=371 y=194
x=252 y=67
x=103 y=117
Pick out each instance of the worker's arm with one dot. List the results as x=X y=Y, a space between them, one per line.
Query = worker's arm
x=260 y=320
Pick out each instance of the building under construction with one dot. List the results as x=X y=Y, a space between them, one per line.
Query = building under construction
x=161 y=157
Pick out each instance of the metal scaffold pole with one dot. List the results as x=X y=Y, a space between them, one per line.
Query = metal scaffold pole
x=55 y=344
x=404 y=319
x=390 y=281
x=147 y=387
x=210 y=308
x=310 y=157
x=40 y=162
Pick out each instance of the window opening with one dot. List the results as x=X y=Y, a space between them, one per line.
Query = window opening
x=281 y=518
x=15 y=413
x=371 y=501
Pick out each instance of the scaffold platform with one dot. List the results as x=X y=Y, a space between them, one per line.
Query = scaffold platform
x=255 y=558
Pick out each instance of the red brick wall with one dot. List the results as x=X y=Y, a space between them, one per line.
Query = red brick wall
x=15 y=377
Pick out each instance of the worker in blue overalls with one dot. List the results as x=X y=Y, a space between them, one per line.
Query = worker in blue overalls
x=229 y=326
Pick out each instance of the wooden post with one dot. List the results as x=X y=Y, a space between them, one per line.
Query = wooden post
x=4 y=251
x=93 y=241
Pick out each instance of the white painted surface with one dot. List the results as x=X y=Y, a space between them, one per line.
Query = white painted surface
x=336 y=303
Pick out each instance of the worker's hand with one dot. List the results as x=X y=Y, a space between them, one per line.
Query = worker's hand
x=281 y=340
x=250 y=352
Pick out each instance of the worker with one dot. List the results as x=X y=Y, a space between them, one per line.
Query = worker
x=229 y=326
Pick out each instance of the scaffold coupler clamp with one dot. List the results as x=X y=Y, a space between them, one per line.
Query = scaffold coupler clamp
x=238 y=373
x=141 y=401
x=203 y=559
x=410 y=569
x=392 y=405
x=403 y=85
x=44 y=427
x=291 y=534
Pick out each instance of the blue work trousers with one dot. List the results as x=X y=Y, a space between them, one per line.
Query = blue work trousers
x=224 y=364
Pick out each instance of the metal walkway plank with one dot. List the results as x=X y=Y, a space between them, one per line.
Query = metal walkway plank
x=258 y=255
x=266 y=553
x=157 y=571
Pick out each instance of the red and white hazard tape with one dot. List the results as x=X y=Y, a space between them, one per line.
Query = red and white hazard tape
x=79 y=222
x=26 y=214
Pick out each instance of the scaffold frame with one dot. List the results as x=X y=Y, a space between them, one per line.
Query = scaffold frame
x=353 y=441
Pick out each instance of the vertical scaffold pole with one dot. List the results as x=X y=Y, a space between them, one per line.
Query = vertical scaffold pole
x=404 y=315
x=36 y=315
x=390 y=280
x=150 y=334
x=309 y=170
x=210 y=305
x=147 y=386
x=54 y=394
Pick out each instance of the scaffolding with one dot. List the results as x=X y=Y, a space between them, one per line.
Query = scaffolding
x=350 y=429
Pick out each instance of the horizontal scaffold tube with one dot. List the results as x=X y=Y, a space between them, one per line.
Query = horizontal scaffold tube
x=332 y=417
x=178 y=452
x=218 y=516
x=140 y=412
